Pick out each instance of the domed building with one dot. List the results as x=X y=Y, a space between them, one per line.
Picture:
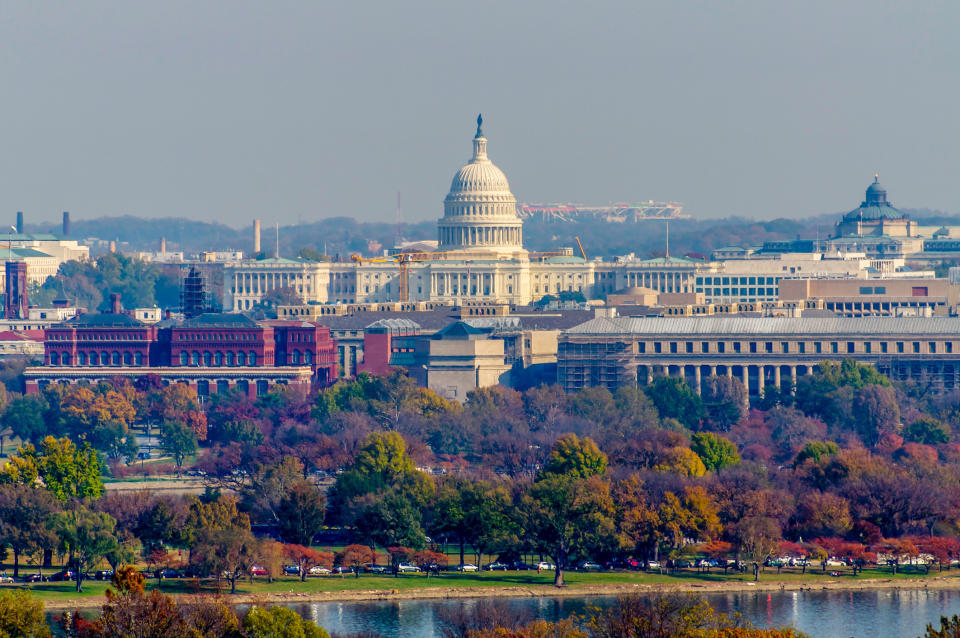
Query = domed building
x=480 y=212
x=876 y=217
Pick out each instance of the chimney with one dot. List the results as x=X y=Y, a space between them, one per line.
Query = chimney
x=163 y=245
x=256 y=236
x=115 y=303
x=113 y=246
x=66 y=223
x=19 y=222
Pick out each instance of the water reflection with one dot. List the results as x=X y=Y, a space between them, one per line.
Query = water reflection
x=823 y=614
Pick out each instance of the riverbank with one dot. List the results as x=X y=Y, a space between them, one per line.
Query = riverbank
x=439 y=590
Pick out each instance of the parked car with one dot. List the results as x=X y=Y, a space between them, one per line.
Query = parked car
x=63 y=575
x=6 y=579
x=34 y=578
x=519 y=566
x=589 y=566
x=103 y=574
x=167 y=573
x=375 y=569
x=406 y=567
x=467 y=567
x=256 y=570
x=318 y=571
x=497 y=566
x=544 y=566
x=653 y=564
x=291 y=570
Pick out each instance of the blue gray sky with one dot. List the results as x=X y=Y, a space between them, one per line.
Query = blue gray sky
x=229 y=110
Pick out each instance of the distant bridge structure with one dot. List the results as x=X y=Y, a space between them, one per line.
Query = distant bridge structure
x=610 y=213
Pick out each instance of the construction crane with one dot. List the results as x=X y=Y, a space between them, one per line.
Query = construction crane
x=580 y=246
x=403 y=261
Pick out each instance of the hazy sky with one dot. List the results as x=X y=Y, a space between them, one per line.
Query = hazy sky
x=299 y=110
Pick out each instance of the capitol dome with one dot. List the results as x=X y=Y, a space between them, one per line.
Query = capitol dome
x=480 y=212
x=875 y=205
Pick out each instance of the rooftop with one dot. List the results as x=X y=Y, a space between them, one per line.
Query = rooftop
x=738 y=325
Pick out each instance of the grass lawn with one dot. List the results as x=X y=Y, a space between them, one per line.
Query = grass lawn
x=449 y=580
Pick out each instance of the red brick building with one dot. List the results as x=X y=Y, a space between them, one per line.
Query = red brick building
x=212 y=351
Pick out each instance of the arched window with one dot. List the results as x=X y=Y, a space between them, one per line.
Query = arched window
x=127 y=359
x=184 y=358
x=81 y=358
x=138 y=358
x=104 y=359
x=295 y=357
x=94 y=358
x=207 y=359
x=229 y=358
x=54 y=359
x=218 y=358
x=307 y=357
x=241 y=359
x=195 y=358
x=252 y=359
x=65 y=359
x=115 y=358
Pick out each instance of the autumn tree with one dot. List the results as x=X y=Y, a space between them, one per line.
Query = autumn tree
x=65 y=470
x=576 y=457
x=220 y=538
x=22 y=615
x=306 y=557
x=355 y=557
x=24 y=521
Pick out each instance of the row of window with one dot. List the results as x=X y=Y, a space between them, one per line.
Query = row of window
x=97 y=336
x=218 y=358
x=217 y=336
x=802 y=347
x=98 y=359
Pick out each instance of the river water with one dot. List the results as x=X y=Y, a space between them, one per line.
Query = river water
x=824 y=614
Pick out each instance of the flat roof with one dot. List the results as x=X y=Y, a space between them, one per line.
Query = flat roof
x=737 y=325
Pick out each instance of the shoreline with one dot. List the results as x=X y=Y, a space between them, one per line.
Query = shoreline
x=541 y=591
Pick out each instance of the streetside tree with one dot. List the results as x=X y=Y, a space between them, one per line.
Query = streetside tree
x=24 y=521
x=88 y=537
x=355 y=557
x=301 y=512
x=570 y=514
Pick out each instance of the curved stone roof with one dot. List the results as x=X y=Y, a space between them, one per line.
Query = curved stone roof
x=875 y=205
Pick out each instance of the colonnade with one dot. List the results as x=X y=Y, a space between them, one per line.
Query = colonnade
x=480 y=236
x=755 y=377
x=660 y=280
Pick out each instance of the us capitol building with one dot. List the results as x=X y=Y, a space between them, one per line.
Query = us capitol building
x=480 y=258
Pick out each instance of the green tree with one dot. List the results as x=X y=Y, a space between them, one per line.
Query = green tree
x=68 y=472
x=22 y=615
x=928 y=431
x=179 y=441
x=301 y=513
x=24 y=521
x=715 y=451
x=725 y=402
x=88 y=536
x=25 y=417
x=280 y=622
x=573 y=456
x=223 y=541
x=568 y=517
x=816 y=450
x=675 y=399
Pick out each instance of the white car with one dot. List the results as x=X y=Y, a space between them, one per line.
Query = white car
x=6 y=579
x=406 y=567
x=318 y=571
x=543 y=566
x=467 y=567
